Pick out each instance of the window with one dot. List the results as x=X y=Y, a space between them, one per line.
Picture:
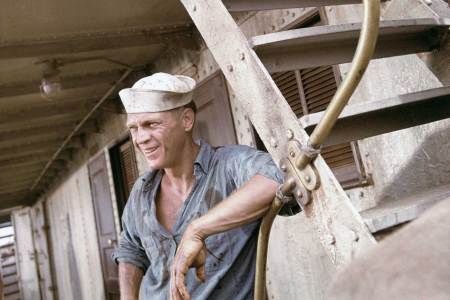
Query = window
x=311 y=90
x=125 y=172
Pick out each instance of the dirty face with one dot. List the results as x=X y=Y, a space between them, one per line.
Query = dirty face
x=161 y=136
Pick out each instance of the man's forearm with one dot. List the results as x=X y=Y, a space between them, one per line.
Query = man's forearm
x=247 y=204
x=130 y=278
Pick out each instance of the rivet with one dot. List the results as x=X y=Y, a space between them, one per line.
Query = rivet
x=273 y=142
x=283 y=168
x=355 y=236
x=289 y=134
x=299 y=194
x=330 y=240
x=292 y=153
x=308 y=178
x=242 y=56
x=230 y=68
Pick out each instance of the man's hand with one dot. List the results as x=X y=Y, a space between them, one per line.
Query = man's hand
x=190 y=253
x=245 y=205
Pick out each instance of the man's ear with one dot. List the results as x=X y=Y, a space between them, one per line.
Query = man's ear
x=188 y=119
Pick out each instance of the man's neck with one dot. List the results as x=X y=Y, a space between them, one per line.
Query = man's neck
x=181 y=176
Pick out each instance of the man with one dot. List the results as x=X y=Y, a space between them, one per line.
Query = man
x=190 y=225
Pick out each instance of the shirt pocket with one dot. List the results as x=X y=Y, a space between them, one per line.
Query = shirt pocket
x=218 y=253
x=158 y=249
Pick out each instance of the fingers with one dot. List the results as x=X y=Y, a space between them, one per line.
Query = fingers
x=178 y=289
x=174 y=292
x=190 y=253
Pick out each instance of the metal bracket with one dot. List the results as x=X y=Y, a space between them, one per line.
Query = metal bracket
x=306 y=180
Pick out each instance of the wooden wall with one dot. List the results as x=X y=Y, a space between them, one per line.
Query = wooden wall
x=74 y=239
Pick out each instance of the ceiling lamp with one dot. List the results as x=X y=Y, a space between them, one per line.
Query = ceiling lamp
x=51 y=81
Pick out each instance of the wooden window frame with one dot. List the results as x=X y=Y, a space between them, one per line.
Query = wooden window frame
x=118 y=174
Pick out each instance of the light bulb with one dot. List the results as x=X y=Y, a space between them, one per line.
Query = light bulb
x=51 y=87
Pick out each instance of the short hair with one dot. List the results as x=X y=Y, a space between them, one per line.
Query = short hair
x=191 y=105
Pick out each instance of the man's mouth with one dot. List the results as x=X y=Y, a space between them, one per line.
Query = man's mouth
x=150 y=150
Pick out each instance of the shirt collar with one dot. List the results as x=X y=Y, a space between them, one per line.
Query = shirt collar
x=203 y=158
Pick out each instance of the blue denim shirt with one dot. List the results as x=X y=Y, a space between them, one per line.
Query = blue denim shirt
x=145 y=243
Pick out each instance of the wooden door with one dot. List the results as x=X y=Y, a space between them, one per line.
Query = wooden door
x=104 y=218
x=40 y=229
x=26 y=256
x=214 y=122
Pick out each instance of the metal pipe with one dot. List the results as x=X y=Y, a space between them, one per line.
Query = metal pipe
x=261 y=253
x=363 y=54
x=361 y=59
x=263 y=239
x=80 y=124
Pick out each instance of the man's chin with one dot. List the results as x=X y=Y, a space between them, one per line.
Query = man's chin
x=154 y=165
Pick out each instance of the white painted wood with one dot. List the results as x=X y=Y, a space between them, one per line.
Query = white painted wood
x=43 y=252
x=340 y=227
x=26 y=255
x=70 y=205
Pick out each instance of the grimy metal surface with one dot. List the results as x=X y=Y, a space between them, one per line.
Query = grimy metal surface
x=248 y=5
x=340 y=228
x=377 y=117
x=335 y=44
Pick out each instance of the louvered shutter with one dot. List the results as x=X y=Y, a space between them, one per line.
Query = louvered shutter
x=287 y=83
x=319 y=86
x=128 y=166
x=311 y=90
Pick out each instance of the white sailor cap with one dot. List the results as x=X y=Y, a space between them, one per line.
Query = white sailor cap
x=158 y=92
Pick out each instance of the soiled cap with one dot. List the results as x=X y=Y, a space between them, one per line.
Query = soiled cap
x=158 y=92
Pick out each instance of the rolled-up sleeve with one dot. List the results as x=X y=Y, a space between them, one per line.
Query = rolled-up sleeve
x=130 y=249
x=249 y=162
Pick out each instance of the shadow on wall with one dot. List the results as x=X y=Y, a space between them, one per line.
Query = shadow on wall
x=428 y=168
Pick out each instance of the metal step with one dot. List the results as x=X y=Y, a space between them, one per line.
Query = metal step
x=330 y=45
x=253 y=5
x=377 y=117
x=396 y=212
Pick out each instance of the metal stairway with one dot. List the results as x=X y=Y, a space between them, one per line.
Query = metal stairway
x=335 y=44
x=246 y=66
x=249 y=5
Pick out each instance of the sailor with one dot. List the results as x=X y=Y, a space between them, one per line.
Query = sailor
x=191 y=223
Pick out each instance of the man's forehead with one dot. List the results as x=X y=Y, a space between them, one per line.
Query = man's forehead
x=143 y=117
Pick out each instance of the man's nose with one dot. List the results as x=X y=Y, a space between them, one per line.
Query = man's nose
x=143 y=136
